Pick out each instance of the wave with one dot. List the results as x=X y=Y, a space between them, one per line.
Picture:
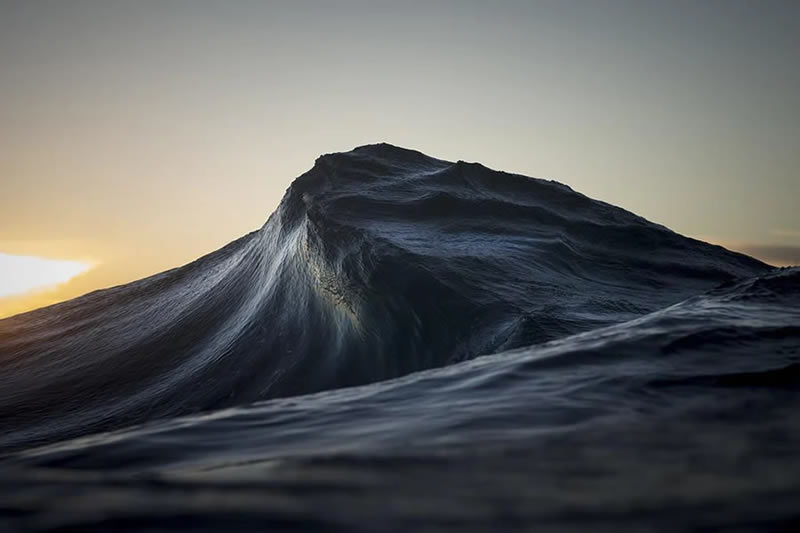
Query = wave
x=323 y=372
x=377 y=263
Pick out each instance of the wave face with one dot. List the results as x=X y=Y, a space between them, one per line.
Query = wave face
x=323 y=365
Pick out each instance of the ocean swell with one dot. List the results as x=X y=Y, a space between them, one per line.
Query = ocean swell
x=377 y=263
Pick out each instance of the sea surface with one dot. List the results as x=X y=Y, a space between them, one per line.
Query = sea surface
x=411 y=344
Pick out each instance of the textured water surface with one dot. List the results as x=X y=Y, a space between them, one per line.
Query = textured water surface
x=410 y=343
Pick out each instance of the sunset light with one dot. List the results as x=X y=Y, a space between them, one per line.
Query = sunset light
x=20 y=273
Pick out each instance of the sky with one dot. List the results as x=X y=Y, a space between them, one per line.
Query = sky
x=137 y=136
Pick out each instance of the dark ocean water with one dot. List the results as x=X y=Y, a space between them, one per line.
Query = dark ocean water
x=414 y=344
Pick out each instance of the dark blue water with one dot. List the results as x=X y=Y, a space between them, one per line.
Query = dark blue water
x=413 y=344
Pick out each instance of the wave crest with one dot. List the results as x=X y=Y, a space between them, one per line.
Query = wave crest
x=377 y=263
